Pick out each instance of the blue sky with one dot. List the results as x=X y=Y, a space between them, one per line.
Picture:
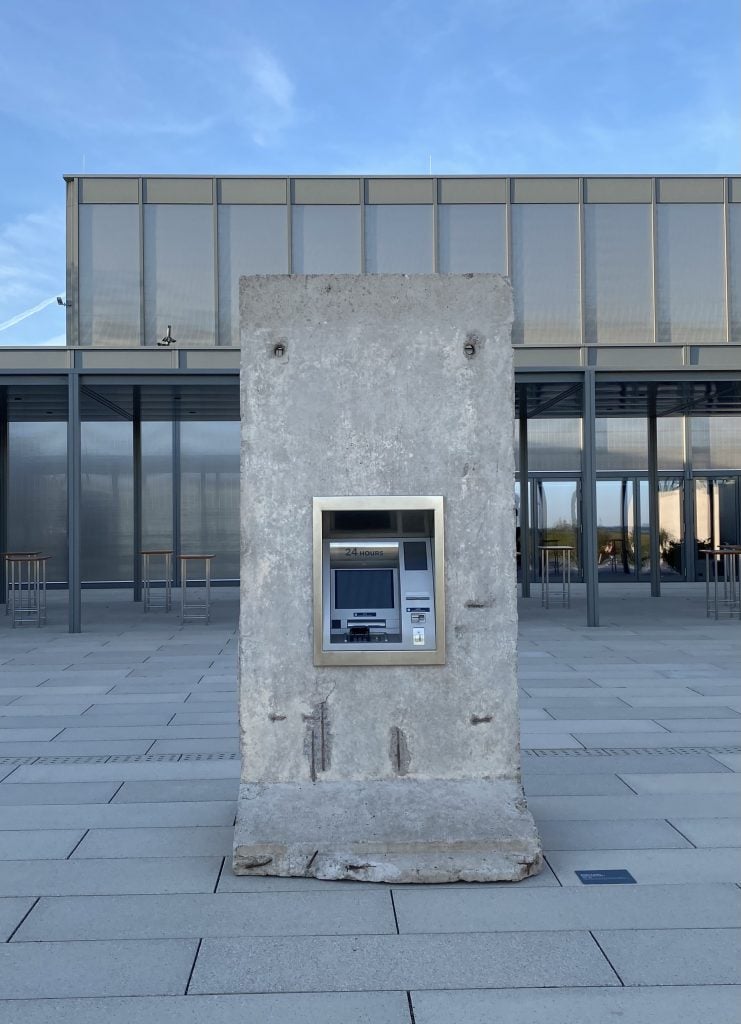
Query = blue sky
x=477 y=86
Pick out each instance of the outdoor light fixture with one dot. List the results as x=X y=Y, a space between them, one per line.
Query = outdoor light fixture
x=61 y=302
x=168 y=338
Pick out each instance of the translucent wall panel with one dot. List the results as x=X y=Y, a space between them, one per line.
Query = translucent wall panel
x=209 y=501
x=734 y=225
x=157 y=485
x=545 y=274
x=179 y=286
x=619 y=273
x=553 y=446
x=107 y=502
x=326 y=239
x=109 y=274
x=472 y=238
x=691 y=273
x=37 y=493
x=622 y=444
x=716 y=442
x=252 y=240
x=398 y=239
x=670 y=442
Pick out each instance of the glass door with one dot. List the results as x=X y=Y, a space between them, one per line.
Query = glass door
x=716 y=516
x=616 y=530
x=555 y=506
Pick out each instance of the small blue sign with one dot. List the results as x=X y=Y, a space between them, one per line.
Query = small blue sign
x=614 y=877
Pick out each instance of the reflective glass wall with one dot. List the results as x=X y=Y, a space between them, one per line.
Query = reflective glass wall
x=604 y=261
x=37 y=492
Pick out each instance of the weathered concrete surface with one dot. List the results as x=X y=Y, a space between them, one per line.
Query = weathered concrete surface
x=367 y=385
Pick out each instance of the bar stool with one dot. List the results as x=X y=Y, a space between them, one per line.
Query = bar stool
x=192 y=609
x=6 y=555
x=27 y=592
x=147 y=602
x=565 y=552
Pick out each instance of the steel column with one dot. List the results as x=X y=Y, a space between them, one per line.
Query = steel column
x=176 y=500
x=653 y=496
x=74 y=455
x=524 y=495
x=589 y=499
x=136 y=429
x=4 y=484
x=688 y=506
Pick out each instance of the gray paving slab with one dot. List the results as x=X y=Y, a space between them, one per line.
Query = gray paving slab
x=281 y=1008
x=219 y=915
x=659 y=712
x=24 y=735
x=547 y=740
x=126 y=772
x=619 y=808
x=28 y=794
x=120 y=816
x=171 y=792
x=651 y=867
x=703 y=1004
x=150 y=732
x=666 y=739
x=367 y=963
x=6 y=770
x=701 y=724
x=38 y=844
x=203 y=717
x=76 y=719
x=197 y=841
x=608 y=835
x=79 y=748
x=732 y=761
x=12 y=912
x=679 y=956
x=594 y=725
x=137 y=876
x=20 y=708
x=541 y=784
x=64 y=969
x=105 y=699
x=707 y=833
x=579 y=908
x=208 y=745
x=700 y=782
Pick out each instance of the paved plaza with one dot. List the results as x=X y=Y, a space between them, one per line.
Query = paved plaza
x=118 y=782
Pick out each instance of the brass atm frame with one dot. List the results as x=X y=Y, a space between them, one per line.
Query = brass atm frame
x=384 y=503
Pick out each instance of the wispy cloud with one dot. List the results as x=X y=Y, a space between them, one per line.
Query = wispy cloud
x=31 y=260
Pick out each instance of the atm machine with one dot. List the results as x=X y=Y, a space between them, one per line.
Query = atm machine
x=378 y=576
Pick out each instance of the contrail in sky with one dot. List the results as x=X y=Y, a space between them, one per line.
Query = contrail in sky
x=29 y=312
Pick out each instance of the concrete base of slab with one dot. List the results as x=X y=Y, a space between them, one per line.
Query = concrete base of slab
x=405 y=830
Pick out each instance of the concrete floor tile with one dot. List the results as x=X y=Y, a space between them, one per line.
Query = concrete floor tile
x=64 y=969
x=710 y=833
x=81 y=748
x=732 y=761
x=12 y=912
x=367 y=963
x=199 y=841
x=651 y=867
x=121 y=815
x=654 y=763
x=679 y=956
x=716 y=1005
x=30 y=794
x=125 y=772
x=282 y=1008
x=665 y=739
x=139 y=876
x=698 y=724
x=579 y=908
x=607 y=835
x=542 y=784
x=212 y=745
x=38 y=844
x=632 y=807
x=701 y=782
x=198 y=790
x=220 y=915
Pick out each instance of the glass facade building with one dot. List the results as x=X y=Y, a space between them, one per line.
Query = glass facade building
x=628 y=288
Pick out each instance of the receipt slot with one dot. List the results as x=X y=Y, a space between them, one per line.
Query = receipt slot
x=378 y=581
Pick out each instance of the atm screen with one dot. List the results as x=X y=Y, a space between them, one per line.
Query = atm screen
x=364 y=588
